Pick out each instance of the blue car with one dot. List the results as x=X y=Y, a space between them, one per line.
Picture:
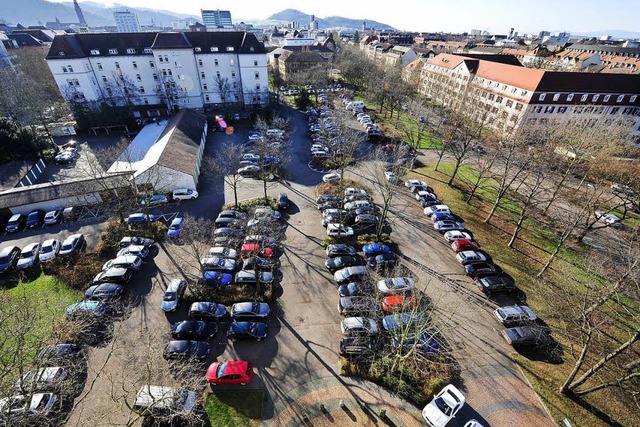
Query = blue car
x=175 y=228
x=244 y=330
x=425 y=343
x=375 y=249
x=140 y=218
x=86 y=309
x=440 y=216
x=399 y=320
x=215 y=278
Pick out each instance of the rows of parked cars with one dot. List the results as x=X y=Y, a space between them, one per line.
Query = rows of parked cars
x=358 y=109
x=261 y=152
x=38 y=218
x=14 y=258
x=520 y=322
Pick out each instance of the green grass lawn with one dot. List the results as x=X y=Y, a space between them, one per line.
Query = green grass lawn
x=234 y=408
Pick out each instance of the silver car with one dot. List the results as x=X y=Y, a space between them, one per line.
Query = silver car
x=49 y=250
x=29 y=256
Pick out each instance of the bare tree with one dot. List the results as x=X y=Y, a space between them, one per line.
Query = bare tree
x=528 y=199
x=483 y=167
x=227 y=163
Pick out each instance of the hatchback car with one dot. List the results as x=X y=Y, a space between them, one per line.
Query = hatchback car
x=397 y=303
x=413 y=182
x=214 y=278
x=104 y=292
x=255 y=249
x=451 y=236
x=355 y=289
x=86 y=310
x=338 y=262
x=357 y=305
x=247 y=330
x=194 y=330
x=498 y=283
x=482 y=269
x=131 y=262
x=444 y=406
x=351 y=274
x=175 y=228
x=331 y=177
x=250 y=311
x=229 y=213
x=383 y=261
x=526 y=336
x=28 y=256
x=186 y=349
x=250 y=277
x=396 y=285
x=137 y=250
x=514 y=315
x=374 y=249
x=184 y=194
x=442 y=216
x=423 y=342
x=156 y=199
x=114 y=275
x=448 y=225
x=399 y=321
x=35 y=218
x=339 y=230
x=283 y=201
x=53 y=217
x=49 y=250
x=358 y=326
x=135 y=241
x=460 y=245
x=9 y=258
x=140 y=218
x=173 y=294
x=230 y=372
x=224 y=252
x=16 y=223
x=471 y=257
x=340 y=249
x=207 y=311
x=43 y=379
x=358 y=346
x=260 y=264
x=218 y=264
x=20 y=408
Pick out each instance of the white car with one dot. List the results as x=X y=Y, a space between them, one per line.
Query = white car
x=224 y=252
x=339 y=230
x=448 y=225
x=358 y=326
x=184 y=194
x=444 y=406
x=330 y=177
x=49 y=250
x=608 y=218
x=251 y=157
x=28 y=256
x=319 y=147
x=391 y=177
x=473 y=423
x=266 y=214
x=351 y=191
x=425 y=195
x=430 y=210
x=452 y=235
x=137 y=250
x=396 y=285
x=470 y=257
x=413 y=182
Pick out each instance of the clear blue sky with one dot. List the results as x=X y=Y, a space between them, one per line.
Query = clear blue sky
x=496 y=16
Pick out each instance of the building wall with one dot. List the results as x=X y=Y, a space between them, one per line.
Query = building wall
x=127 y=22
x=165 y=180
x=76 y=79
x=141 y=70
x=50 y=205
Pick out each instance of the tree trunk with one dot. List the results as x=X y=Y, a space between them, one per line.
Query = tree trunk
x=499 y=197
x=264 y=186
x=616 y=383
x=235 y=195
x=455 y=172
x=557 y=189
x=551 y=258
x=440 y=156
x=514 y=236
x=564 y=389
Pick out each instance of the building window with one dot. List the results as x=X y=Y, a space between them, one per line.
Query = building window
x=614 y=110
x=542 y=96
x=131 y=50
x=99 y=66
x=257 y=86
x=160 y=58
x=549 y=110
x=206 y=98
x=620 y=98
x=235 y=85
x=233 y=74
x=178 y=64
x=147 y=50
x=584 y=97
x=135 y=64
x=164 y=72
x=556 y=96
x=214 y=49
x=141 y=89
x=138 y=77
x=152 y=65
x=499 y=100
x=562 y=110
x=198 y=49
x=518 y=106
x=146 y=101
x=215 y=62
x=217 y=74
x=633 y=98
x=569 y=97
x=509 y=103
x=231 y=62
x=113 y=51
x=180 y=76
x=104 y=79
x=109 y=91
x=204 y=86
x=595 y=97
x=64 y=70
x=237 y=97
x=607 y=98
x=202 y=75
x=95 y=52
x=170 y=72
x=200 y=64
x=255 y=62
x=257 y=74
x=230 y=49
x=117 y=65
x=537 y=109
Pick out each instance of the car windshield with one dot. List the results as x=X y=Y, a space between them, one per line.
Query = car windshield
x=174 y=227
x=67 y=246
x=443 y=406
x=33 y=215
x=170 y=296
x=47 y=248
x=220 y=370
x=26 y=254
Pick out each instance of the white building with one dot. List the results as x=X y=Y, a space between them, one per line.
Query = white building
x=216 y=19
x=161 y=70
x=127 y=22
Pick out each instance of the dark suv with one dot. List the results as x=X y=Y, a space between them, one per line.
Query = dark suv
x=9 y=258
x=114 y=275
x=35 y=218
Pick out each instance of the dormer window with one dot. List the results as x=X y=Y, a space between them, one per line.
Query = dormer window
x=147 y=50
x=633 y=98
x=95 y=52
x=61 y=53
x=607 y=98
x=542 y=96
x=131 y=50
x=596 y=97
x=584 y=97
x=230 y=49
x=620 y=98
x=569 y=97
x=214 y=49
x=113 y=51
x=198 y=49
x=556 y=97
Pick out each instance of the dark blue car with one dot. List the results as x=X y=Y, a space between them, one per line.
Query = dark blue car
x=35 y=218
x=215 y=278
x=440 y=216
x=425 y=342
x=250 y=330
x=375 y=249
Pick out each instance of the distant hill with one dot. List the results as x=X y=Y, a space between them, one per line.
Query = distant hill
x=616 y=34
x=289 y=15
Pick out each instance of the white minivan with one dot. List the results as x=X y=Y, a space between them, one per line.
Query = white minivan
x=184 y=194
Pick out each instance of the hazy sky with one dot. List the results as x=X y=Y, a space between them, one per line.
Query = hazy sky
x=496 y=16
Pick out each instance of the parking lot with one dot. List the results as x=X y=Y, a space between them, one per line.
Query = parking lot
x=297 y=364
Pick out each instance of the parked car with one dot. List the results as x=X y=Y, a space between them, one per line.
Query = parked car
x=194 y=330
x=175 y=228
x=255 y=249
x=104 y=292
x=366 y=220
x=65 y=156
x=173 y=294
x=43 y=379
x=218 y=264
x=423 y=342
x=283 y=201
x=58 y=353
x=260 y=264
x=16 y=223
x=451 y=236
x=395 y=285
x=472 y=257
x=526 y=336
x=156 y=199
x=137 y=250
x=20 y=408
x=186 y=349
x=249 y=170
x=514 y=315
x=28 y=256
x=355 y=289
x=399 y=321
x=86 y=310
x=444 y=406
x=397 y=303
x=358 y=326
x=359 y=204
x=159 y=400
x=72 y=245
x=223 y=252
x=206 y=311
x=114 y=275
x=9 y=256
x=327 y=198
x=230 y=372
x=249 y=277
x=608 y=218
x=336 y=263
x=49 y=250
x=374 y=249
x=442 y=216
x=214 y=278
x=359 y=346
x=351 y=274
x=383 y=261
x=340 y=249
x=497 y=283
x=266 y=214
x=244 y=330
x=53 y=217
x=184 y=194
x=250 y=311
x=391 y=177
x=140 y=218
x=131 y=262
x=331 y=177
x=232 y=214
x=448 y=225
x=35 y=218
x=136 y=240
x=461 y=245
x=358 y=305
x=436 y=208
x=339 y=230
x=261 y=240
x=413 y=182
x=482 y=269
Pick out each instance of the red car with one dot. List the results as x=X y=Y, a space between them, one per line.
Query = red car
x=464 y=245
x=397 y=303
x=230 y=372
x=250 y=249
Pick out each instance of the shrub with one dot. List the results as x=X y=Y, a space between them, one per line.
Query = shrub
x=336 y=188
x=76 y=272
x=363 y=239
x=247 y=205
x=229 y=294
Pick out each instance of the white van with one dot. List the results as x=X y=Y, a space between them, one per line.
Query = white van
x=152 y=399
x=184 y=194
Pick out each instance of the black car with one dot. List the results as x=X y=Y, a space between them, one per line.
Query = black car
x=340 y=249
x=16 y=223
x=227 y=222
x=232 y=214
x=383 y=261
x=366 y=220
x=244 y=330
x=355 y=289
x=250 y=310
x=207 y=311
x=482 y=269
x=260 y=264
x=186 y=349
x=114 y=275
x=136 y=240
x=527 y=336
x=194 y=330
x=58 y=354
x=497 y=283
x=328 y=198
x=104 y=292
x=9 y=258
x=35 y=218
x=364 y=210
x=329 y=204
x=430 y=202
x=336 y=263
x=249 y=277
x=359 y=346
x=283 y=201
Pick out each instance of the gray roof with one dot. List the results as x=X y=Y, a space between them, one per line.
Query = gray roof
x=182 y=149
x=605 y=48
x=37 y=193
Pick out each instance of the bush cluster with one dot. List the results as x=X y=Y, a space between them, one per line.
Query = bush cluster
x=247 y=205
x=228 y=295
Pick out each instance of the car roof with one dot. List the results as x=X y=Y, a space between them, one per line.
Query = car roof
x=173 y=286
x=177 y=221
x=7 y=250
x=235 y=367
x=30 y=247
